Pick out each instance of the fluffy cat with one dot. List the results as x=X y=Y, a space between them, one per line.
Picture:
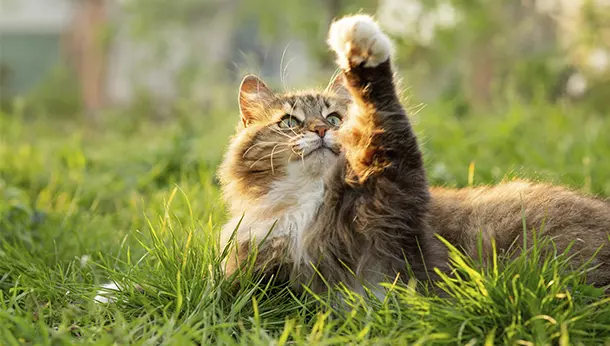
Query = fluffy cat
x=330 y=187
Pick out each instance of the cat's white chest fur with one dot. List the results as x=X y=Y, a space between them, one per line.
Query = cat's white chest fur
x=291 y=204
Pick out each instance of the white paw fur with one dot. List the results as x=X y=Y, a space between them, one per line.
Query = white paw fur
x=358 y=39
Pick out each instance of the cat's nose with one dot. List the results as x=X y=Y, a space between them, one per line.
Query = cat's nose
x=320 y=130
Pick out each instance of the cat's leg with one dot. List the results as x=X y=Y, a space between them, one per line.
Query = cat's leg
x=377 y=137
x=267 y=261
x=384 y=190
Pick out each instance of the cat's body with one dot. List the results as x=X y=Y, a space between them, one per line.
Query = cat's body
x=334 y=184
x=498 y=212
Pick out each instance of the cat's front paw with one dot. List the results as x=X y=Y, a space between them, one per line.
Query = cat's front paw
x=358 y=40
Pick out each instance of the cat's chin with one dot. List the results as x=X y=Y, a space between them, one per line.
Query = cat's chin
x=321 y=151
x=319 y=160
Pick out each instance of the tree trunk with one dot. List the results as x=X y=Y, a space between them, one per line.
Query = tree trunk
x=86 y=52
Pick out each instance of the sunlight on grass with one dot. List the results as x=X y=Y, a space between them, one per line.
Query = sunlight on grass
x=136 y=203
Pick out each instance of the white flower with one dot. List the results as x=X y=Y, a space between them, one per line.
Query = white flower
x=599 y=59
x=576 y=85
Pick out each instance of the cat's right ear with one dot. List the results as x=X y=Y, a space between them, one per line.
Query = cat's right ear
x=254 y=97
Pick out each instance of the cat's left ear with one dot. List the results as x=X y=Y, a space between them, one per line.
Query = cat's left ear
x=337 y=87
x=254 y=98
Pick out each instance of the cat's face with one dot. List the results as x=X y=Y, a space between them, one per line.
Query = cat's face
x=283 y=134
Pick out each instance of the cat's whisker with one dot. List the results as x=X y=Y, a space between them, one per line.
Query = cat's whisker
x=284 y=69
x=285 y=72
x=296 y=151
x=293 y=152
x=261 y=143
x=292 y=130
x=266 y=156
x=273 y=151
x=270 y=127
x=302 y=159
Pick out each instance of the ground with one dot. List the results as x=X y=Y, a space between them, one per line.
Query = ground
x=136 y=202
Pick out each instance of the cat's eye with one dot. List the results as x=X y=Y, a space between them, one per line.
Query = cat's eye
x=288 y=121
x=334 y=119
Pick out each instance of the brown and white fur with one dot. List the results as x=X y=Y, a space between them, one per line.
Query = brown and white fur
x=350 y=202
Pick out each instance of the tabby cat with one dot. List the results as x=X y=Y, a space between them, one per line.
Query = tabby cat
x=329 y=186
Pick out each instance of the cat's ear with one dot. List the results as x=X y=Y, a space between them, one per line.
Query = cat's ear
x=254 y=97
x=337 y=87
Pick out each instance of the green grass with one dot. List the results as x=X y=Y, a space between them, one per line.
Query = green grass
x=136 y=202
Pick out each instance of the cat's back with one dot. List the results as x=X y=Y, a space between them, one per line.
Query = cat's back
x=499 y=211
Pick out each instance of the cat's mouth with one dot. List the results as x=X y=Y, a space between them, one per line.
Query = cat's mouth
x=308 y=146
x=321 y=150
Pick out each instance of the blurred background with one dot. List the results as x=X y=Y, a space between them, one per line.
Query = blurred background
x=114 y=115
x=108 y=107
x=81 y=57
x=127 y=92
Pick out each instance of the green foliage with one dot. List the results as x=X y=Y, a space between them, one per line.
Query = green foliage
x=495 y=46
x=488 y=48
x=58 y=95
x=135 y=201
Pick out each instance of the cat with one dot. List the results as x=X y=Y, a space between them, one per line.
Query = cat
x=570 y=219
x=329 y=187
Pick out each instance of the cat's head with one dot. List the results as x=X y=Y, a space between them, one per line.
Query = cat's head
x=282 y=136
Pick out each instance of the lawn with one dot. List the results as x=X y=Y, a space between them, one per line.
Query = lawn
x=135 y=201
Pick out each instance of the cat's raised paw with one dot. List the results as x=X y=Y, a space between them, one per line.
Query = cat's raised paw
x=358 y=40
